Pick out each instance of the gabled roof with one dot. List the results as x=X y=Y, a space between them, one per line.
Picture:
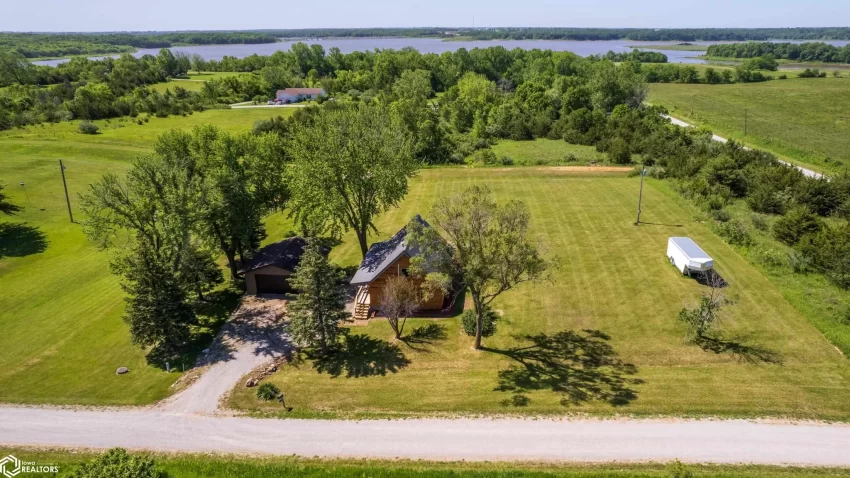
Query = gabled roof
x=302 y=91
x=285 y=254
x=384 y=254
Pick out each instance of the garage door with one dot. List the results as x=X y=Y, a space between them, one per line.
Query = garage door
x=270 y=284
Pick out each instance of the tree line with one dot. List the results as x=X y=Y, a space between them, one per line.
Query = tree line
x=816 y=51
x=557 y=33
x=38 y=45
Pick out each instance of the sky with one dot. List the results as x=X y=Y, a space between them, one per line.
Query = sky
x=145 y=15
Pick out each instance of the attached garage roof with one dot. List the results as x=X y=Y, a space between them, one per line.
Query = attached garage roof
x=285 y=254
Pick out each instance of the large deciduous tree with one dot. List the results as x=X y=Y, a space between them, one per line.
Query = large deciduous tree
x=486 y=245
x=197 y=192
x=349 y=164
x=15 y=68
x=320 y=307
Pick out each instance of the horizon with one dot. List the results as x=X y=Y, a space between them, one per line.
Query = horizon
x=447 y=27
x=96 y=16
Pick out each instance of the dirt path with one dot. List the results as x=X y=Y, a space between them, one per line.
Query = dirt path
x=253 y=337
x=718 y=441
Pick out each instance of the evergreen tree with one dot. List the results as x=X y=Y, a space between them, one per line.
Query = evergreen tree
x=157 y=312
x=315 y=316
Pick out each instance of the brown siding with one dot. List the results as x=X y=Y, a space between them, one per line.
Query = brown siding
x=376 y=286
x=251 y=280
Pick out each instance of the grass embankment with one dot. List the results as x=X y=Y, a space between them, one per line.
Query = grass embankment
x=60 y=308
x=824 y=304
x=212 y=466
x=615 y=278
x=803 y=120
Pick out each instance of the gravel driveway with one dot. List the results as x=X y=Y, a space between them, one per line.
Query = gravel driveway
x=254 y=336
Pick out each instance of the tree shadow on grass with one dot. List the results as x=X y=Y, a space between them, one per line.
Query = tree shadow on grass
x=425 y=335
x=212 y=314
x=361 y=356
x=19 y=240
x=744 y=353
x=580 y=366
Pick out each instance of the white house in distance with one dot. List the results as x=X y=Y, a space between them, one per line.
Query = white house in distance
x=294 y=95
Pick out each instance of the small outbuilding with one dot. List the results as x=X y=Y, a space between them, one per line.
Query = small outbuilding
x=687 y=256
x=269 y=270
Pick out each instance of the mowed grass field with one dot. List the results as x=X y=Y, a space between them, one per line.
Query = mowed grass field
x=614 y=277
x=222 y=466
x=544 y=151
x=61 y=333
x=804 y=120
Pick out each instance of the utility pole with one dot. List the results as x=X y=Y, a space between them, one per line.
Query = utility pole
x=65 y=184
x=640 y=197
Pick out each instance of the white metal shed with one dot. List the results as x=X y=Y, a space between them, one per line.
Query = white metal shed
x=687 y=256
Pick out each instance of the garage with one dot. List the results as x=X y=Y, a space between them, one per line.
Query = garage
x=269 y=269
x=272 y=284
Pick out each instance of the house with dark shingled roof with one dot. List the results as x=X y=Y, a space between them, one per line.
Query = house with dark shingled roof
x=384 y=260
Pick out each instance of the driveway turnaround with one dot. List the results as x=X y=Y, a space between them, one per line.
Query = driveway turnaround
x=591 y=440
x=805 y=171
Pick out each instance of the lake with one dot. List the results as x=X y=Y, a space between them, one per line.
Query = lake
x=429 y=45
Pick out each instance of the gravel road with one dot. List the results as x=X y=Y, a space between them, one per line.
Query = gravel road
x=805 y=171
x=721 y=441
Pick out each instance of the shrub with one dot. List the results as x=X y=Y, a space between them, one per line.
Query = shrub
x=488 y=324
x=795 y=224
x=783 y=77
x=267 y=391
x=88 y=128
x=736 y=232
x=768 y=256
x=506 y=160
x=570 y=158
x=829 y=252
x=618 y=151
x=721 y=215
x=799 y=262
x=118 y=463
x=760 y=222
x=677 y=469
x=485 y=156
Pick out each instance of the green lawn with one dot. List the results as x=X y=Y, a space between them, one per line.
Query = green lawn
x=803 y=120
x=213 y=466
x=60 y=308
x=544 y=151
x=615 y=277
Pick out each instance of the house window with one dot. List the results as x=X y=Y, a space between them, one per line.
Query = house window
x=405 y=273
